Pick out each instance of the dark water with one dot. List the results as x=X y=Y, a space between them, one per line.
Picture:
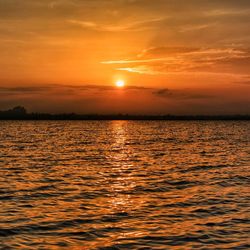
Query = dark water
x=124 y=185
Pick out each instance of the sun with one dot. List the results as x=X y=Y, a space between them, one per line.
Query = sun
x=120 y=83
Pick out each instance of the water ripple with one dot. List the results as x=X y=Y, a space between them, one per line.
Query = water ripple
x=124 y=185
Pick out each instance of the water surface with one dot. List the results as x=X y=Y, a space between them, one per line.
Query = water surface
x=124 y=185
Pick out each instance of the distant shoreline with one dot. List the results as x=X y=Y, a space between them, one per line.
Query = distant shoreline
x=20 y=113
x=184 y=120
x=46 y=117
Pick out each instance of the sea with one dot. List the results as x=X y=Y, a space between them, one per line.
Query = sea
x=107 y=185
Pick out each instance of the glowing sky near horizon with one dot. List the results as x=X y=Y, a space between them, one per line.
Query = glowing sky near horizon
x=175 y=56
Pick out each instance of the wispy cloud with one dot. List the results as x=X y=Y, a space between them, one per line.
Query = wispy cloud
x=141 y=70
x=188 y=28
x=227 y=12
x=128 y=26
x=137 y=61
x=162 y=60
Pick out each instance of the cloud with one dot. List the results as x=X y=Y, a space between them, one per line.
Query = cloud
x=143 y=69
x=164 y=50
x=66 y=90
x=72 y=90
x=104 y=99
x=243 y=82
x=135 y=26
x=182 y=21
x=86 y=98
x=24 y=89
x=167 y=60
x=182 y=94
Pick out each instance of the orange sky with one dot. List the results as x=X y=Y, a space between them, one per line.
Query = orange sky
x=176 y=56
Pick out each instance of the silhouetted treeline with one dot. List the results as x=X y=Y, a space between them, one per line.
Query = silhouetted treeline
x=20 y=113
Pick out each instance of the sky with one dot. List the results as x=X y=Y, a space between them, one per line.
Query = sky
x=175 y=56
